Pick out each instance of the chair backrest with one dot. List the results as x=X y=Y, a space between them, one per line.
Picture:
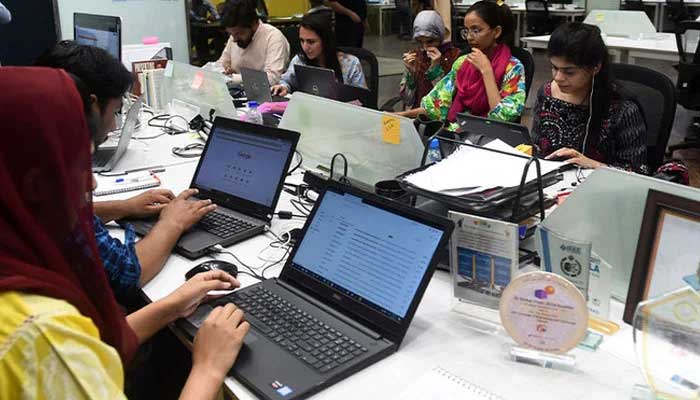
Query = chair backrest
x=537 y=17
x=291 y=33
x=688 y=83
x=633 y=5
x=656 y=95
x=370 y=67
x=528 y=62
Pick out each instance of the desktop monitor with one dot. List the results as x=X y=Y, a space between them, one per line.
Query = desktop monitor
x=561 y=3
x=100 y=31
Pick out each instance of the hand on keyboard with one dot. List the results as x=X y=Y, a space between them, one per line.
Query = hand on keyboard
x=183 y=213
x=218 y=342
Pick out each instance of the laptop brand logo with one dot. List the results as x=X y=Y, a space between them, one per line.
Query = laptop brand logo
x=337 y=297
x=243 y=154
x=315 y=89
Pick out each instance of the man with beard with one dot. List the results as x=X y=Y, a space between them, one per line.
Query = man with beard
x=252 y=44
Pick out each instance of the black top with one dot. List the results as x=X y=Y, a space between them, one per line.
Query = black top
x=358 y=6
x=621 y=142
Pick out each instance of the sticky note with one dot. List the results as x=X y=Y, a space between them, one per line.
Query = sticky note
x=391 y=129
x=600 y=17
x=198 y=80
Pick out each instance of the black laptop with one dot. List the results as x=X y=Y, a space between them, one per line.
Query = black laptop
x=322 y=82
x=242 y=170
x=107 y=157
x=344 y=299
x=257 y=87
x=509 y=133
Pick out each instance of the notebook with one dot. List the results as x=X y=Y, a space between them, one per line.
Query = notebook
x=127 y=184
x=441 y=384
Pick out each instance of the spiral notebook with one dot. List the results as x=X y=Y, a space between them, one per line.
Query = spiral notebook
x=127 y=184
x=441 y=384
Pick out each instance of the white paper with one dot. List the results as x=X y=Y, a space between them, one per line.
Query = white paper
x=472 y=170
x=439 y=383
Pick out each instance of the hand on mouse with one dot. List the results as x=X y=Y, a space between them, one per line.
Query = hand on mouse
x=574 y=157
x=183 y=213
x=185 y=299
x=218 y=342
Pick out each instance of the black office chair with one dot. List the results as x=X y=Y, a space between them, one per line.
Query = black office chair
x=291 y=33
x=688 y=84
x=528 y=62
x=656 y=94
x=633 y=5
x=676 y=11
x=370 y=67
x=539 y=22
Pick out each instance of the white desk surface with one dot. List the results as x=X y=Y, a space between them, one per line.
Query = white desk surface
x=663 y=43
x=568 y=9
x=437 y=336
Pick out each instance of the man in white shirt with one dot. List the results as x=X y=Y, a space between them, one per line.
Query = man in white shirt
x=252 y=44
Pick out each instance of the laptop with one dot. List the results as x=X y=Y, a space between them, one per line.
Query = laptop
x=242 y=170
x=344 y=299
x=509 y=133
x=106 y=157
x=322 y=82
x=257 y=87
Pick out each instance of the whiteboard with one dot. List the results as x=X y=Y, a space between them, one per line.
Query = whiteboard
x=166 y=19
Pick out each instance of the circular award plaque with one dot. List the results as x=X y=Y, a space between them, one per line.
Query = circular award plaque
x=544 y=312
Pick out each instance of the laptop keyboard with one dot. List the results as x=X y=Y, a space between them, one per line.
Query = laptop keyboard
x=223 y=225
x=101 y=158
x=309 y=339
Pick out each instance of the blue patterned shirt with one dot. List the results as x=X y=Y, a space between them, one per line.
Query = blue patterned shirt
x=120 y=259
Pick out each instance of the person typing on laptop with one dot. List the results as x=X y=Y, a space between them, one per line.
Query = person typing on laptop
x=128 y=264
x=319 y=50
x=253 y=44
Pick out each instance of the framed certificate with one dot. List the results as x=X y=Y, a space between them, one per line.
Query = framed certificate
x=668 y=251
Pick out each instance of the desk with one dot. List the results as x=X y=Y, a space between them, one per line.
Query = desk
x=380 y=9
x=627 y=50
x=660 y=10
x=520 y=13
x=437 y=336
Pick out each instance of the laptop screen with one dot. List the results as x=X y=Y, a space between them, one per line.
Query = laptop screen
x=372 y=255
x=99 y=31
x=243 y=164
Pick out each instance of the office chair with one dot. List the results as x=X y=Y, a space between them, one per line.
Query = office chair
x=528 y=62
x=677 y=11
x=539 y=22
x=688 y=84
x=656 y=94
x=633 y=5
x=370 y=67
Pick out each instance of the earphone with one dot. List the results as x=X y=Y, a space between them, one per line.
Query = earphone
x=588 y=127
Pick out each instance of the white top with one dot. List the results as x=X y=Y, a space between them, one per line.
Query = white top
x=268 y=51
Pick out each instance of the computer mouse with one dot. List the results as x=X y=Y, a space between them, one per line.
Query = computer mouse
x=212 y=265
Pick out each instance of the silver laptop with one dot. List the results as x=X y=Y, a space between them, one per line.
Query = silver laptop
x=257 y=87
x=106 y=157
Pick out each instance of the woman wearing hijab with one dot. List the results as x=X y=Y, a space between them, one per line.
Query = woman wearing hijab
x=428 y=64
x=62 y=334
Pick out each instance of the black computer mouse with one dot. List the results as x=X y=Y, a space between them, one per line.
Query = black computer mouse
x=212 y=265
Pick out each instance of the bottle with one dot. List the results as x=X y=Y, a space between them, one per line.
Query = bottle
x=433 y=151
x=253 y=114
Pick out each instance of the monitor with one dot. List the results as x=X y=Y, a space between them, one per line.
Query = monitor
x=561 y=3
x=100 y=31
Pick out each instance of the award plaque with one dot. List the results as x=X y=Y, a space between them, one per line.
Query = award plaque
x=544 y=312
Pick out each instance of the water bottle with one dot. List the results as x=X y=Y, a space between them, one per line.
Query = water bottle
x=433 y=151
x=253 y=114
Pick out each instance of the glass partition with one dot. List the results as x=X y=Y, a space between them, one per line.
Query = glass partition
x=631 y=24
x=196 y=86
x=378 y=146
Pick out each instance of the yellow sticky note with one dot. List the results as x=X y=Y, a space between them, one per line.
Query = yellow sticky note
x=391 y=129
x=599 y=17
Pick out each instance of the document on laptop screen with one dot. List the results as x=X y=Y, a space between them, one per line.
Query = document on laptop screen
x=372 y=255
x=243 y=165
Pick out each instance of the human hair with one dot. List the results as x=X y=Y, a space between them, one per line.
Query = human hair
x=582 y=45
x=239 y=13
x=495 y=15
x=101 y=73
x=322 y=27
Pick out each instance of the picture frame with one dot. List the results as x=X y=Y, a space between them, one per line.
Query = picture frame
x=668 y=250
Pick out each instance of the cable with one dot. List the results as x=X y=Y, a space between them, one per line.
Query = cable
x=343 y=178
x=192 y=150
x=579 y=174
x=286 y=253
x=296 y=167
x=218 y=249
x=168 y=118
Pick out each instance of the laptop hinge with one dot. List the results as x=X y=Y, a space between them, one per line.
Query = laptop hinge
x=374 y=335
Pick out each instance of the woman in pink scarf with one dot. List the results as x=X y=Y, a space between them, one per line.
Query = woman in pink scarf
x=489 y=81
